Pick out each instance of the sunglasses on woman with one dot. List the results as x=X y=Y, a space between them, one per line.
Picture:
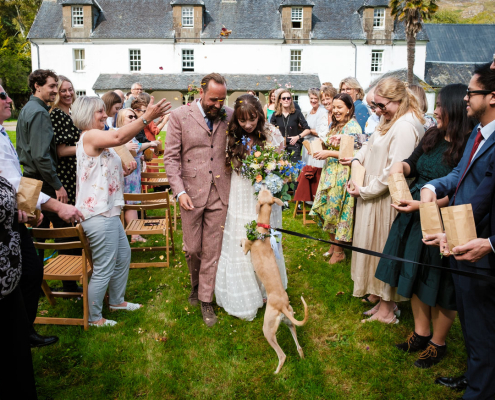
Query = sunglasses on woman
x=285 y=98
x=381 y=106
x=4 y=96
x=131 y=117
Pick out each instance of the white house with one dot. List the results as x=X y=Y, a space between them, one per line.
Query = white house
x=166 y=45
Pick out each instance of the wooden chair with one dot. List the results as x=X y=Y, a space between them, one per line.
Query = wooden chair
x=303 y=211
x=150 y=225
x=67 y=268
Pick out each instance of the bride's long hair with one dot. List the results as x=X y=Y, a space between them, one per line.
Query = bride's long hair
x=246 y=107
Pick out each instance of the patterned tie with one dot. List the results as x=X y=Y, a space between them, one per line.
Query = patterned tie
x=477 y=141
x=4 y=133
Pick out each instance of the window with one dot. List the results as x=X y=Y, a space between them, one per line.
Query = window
x=135 y=60
x=80 y=93
x=295 y=98
x=379 y=18
x=376 y=60
x=187 y=60
x=296 y=17
x=187 y=17
x=79 y=60
x=295 y=61
x=77 y=16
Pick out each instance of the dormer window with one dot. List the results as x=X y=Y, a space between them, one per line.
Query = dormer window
x=379 y=18
x=187 y=17
x=77 y=16
x=296 y=17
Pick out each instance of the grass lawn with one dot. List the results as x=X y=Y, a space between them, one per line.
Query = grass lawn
x=165 y=351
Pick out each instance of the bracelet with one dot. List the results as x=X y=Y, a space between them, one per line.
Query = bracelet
x=356 y=160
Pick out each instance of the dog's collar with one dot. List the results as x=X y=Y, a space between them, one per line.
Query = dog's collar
x=266 y=226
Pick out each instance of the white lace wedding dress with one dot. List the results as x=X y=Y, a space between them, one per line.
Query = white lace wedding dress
x=237 y=288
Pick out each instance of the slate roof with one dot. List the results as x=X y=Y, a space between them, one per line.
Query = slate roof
x=376 y=3
x=248 y=19
x=179 y=82
x=464 y=43
x=402 y=75
x=442 y=74
x=187 y=2
x=296 y=3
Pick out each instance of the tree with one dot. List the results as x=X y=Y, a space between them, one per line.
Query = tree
x=412 y=13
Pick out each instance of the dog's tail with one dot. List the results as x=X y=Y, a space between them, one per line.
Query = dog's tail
x=287 y=313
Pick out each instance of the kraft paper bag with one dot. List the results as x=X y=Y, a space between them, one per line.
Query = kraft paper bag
x=459 y=225
x=148 y=154
x=398 y=187
x=314 y=146
x=124 y=154
x=27 y=195
x=357 y=175
x=346 y=148
x=431 y=222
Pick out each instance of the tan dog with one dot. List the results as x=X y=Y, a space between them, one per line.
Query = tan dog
x=265 y=265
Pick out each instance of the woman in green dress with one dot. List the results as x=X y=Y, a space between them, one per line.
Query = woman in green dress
x=431 y=291
x=333 y=207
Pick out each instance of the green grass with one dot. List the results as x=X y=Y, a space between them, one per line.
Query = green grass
x=12 y=136
x=165 y=351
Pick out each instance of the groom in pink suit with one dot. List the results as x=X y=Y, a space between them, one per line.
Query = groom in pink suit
x=195 y=163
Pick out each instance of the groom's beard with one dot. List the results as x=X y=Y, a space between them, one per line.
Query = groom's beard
x=211 y=112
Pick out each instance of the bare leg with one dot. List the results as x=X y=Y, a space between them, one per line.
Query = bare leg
x=422 y=316
x=270 y=326
x=338 y=254
x=292 y=328
x=385 y=312
x=332 y=247
x=442 y=320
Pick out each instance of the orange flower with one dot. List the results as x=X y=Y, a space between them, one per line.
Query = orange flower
x=259 y=178
x=257 y=154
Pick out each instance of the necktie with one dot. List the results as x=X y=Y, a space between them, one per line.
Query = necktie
x=477 y=141
x=209 y=122
x=2 y=130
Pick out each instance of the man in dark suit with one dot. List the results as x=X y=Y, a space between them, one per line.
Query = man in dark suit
x=464 y=185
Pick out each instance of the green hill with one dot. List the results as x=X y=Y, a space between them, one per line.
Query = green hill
x=465 y=12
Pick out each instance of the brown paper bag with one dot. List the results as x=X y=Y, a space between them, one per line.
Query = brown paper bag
x=124 y=154
x=357 y=175
x=159 y=148
x=346 y=148
x=431 y=222
x=399 y=190
x=314 y=146
x=459 y=225
x=27 y=195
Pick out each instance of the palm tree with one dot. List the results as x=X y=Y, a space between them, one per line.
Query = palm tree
x=412 y=13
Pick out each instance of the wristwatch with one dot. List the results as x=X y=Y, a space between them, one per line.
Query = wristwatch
x=144 y=121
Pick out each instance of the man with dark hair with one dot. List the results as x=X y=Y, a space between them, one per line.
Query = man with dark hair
x=37 y=149
x=195 y=164
x=474 y=297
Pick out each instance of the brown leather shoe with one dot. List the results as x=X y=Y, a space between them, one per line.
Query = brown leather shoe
x=193 y=296
x=208 y=314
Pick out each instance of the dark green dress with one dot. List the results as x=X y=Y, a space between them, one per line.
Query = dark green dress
x=432 y=286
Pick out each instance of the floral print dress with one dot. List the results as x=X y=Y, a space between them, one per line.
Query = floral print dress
x=333 y=207
x=132 y=182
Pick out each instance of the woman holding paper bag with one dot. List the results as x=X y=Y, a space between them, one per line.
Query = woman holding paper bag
x=100 y=184
x=396 y=136
x=132 y=182
x=333 y=206
x=313 y=117
x=431 y=291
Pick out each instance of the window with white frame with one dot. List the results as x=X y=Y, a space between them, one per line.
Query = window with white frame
x=79 y=60
x=376 y=60
x=77 y=16
x=295 y=98
x=187 y=17
x=296 y=17
x=379 y=18
x=135 y=60
x=295 y=61
x=187 y=60
x=80 y=93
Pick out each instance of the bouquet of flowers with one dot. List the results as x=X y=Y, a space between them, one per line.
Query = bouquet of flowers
x=265 y=166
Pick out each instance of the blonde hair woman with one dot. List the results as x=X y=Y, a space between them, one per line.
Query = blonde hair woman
x=352 y=87
x=396 y=136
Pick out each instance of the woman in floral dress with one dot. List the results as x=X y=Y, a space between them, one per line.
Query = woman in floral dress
x=333 y=206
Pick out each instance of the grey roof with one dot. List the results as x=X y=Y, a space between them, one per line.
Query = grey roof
x=77 y=2
x=187 y=2
x=296 y=3
x=179 y=82
x=248 y=19
x=400 y=32
x=442 y=74
x=402 y=75
x=463 y=43
x=375 y=3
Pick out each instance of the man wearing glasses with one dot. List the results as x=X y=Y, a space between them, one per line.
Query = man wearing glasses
x=474 y=297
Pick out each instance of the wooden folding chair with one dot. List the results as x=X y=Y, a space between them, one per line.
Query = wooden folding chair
x=303 y=211
x=66 y=268
x=150 y=226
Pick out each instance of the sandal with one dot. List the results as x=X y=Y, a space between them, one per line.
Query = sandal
x=108 y=322
x=329 y=252
x=138 y=239
x=128 y=307
x=393 y=321
x=335 y=258
x=374 y=310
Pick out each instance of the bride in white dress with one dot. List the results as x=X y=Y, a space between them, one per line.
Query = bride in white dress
x=237 y=288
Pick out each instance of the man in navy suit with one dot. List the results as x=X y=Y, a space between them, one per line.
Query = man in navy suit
x=474 y=298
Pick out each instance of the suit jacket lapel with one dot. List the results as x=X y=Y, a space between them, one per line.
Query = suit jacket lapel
x=486 y=146
x=199 y=117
